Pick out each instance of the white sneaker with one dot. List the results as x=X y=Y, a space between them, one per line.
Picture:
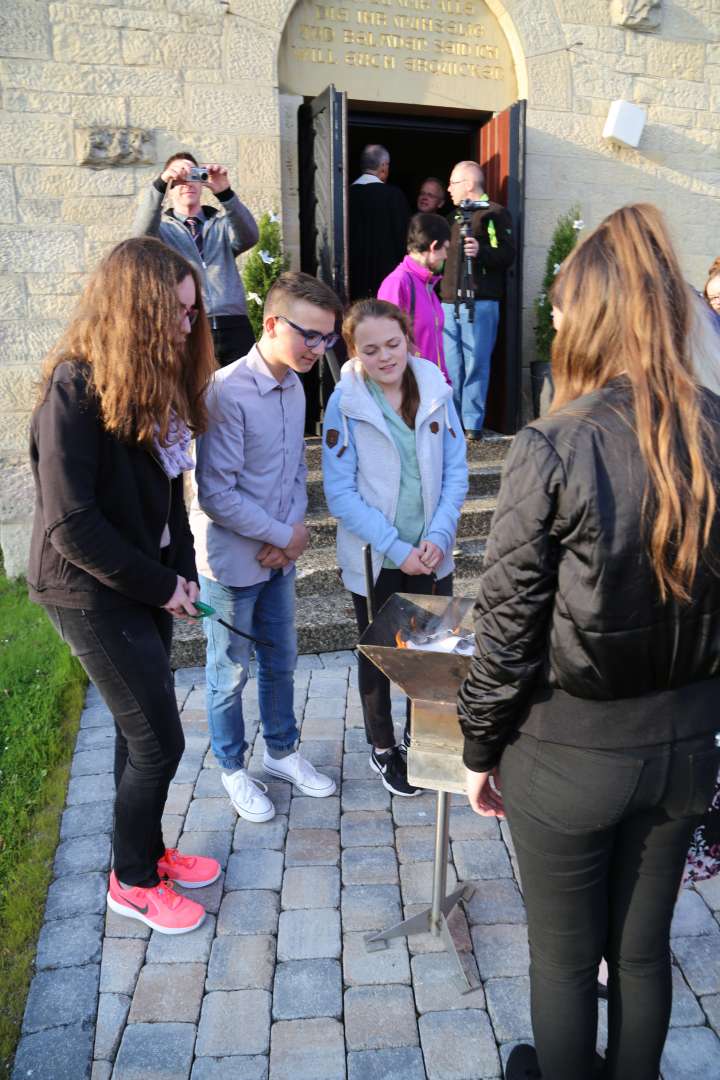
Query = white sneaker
x=248 y=796
x=298 y=771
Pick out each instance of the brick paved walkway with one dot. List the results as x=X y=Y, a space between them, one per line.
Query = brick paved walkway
x=277 y=981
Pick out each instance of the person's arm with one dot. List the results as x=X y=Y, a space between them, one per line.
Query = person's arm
x=395 y=289
x=493 y=232
x=218 y=474
x=147 y=216
x=241 y=227
x=341 y=491
x=184 y=560
x=454 y=486
x=69 y=432
x=299 y=500
x=515 y=601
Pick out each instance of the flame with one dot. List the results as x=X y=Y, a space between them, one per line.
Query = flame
x=400 y=640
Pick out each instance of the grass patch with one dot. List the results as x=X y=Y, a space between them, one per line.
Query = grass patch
x=41 y=695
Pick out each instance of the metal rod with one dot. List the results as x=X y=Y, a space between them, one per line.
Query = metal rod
x=369 y=582
x=442 y=835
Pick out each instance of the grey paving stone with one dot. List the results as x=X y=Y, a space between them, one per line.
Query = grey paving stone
x=326 y=703
x=357 y=766
x=496 y=902
x=209 y=785
x=481 y=860
x=258 y=868
x=428 y=943
x=365 y=795
x=111 y=1017
x=168 y=992
x=711 y=1008
x=322 y=752
x=121 y=962
x=93 y=761
x=406 y=1062
x=95 y=738
x=419 y=810
x=160 y=1051
x=378 y=968
x=193 y=948
x=117 y=926
x=172 y=826
x=501 y=950
x=465 y=824
x=415 y=843
x=366 y=828
x=710 y=892
x=189 y=677
x=305 y=989
x=101 y=1070
x=242 y=962
x=458 y=1045
x=87 y=820
x=342 y=658
x=355 y=741
x=692 y=916
x=189 y=768
x=699 y=958
x=70 y=942
x=370 y=907
x=686 y=1011
x=508 y=1002
x=234 y=1022
x=230 y=1068
x=82 y=854
x=90 y=789
x=216 y=845
x=76 y=894
x=693 y=1051
x=310 y=887
x=379 y=1017
x=57 y=1052
x=62 y=996
x=308 y=813
x=369 y=866
x=94 y=716
x=312 y=847
x=307 y=1050
x=264 y=834
x=416 y=882
x=436 y=983
x=307 y=662
x=248 y=912
x=210 y=815
x=311 y=934
x=197 y=698
x=178 y=800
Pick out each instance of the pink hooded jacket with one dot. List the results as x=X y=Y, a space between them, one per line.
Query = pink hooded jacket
x=406 y=280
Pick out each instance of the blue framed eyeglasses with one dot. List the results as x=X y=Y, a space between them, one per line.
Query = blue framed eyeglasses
x=312 y=338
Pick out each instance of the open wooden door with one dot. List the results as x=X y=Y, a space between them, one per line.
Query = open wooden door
x=502 y=156
x=322 y=149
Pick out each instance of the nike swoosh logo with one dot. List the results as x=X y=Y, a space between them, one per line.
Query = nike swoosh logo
x=142 y=910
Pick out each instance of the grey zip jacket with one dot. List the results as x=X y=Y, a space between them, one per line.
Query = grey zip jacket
x=226 y=234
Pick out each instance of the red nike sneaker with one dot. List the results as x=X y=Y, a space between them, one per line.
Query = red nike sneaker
x=190 y=871
x=159 y=907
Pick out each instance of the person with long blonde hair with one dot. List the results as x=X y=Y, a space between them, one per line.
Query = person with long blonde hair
x=112 y=558
x=591 y=706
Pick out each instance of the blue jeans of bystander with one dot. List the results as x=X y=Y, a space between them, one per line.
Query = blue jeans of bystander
x=468 y=349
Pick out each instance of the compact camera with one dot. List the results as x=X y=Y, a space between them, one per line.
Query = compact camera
x=469 y=206
x=197 y=173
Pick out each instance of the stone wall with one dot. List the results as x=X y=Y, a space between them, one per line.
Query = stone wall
x=122 y=83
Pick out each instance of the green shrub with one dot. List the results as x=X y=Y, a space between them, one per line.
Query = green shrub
x=563 y=241
x=265 y=262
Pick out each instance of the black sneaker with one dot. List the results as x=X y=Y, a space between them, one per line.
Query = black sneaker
x=523 y=1064
x=404 y=746
x=392 y=767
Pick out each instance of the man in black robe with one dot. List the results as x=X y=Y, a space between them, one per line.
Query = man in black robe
x=378 y=221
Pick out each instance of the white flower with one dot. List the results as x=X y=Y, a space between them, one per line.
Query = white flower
x=266 y=258
x=274 y=218
x=578 y=224
x=541 y=301
x=556 y=268
x=254 y=296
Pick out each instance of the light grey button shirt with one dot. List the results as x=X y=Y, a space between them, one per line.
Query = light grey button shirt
x=250 y=477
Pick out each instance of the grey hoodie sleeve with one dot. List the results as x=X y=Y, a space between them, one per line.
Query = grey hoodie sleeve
x=147 y=215
x=240 y=225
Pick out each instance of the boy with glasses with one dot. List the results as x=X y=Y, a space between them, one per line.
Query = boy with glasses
x=247 y=520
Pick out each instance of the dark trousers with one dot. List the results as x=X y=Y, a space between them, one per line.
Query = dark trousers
x=126 y=654
x=601 y=839
x=233 y=337
x=374 y=687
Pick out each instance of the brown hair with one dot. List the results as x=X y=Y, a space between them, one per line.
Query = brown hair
x=294 y=285
x=627 y=310
x=125 y=328
x=181 y=155
x=713 y=272
x=383 y=309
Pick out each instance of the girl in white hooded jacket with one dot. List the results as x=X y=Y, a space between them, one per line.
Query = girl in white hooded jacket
x=395 y=476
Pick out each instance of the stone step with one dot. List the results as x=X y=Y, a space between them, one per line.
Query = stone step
x=474 y=521
x=483 y=480
x=492 y=450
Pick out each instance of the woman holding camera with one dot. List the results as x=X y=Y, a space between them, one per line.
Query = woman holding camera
x=112 y=558
x=594 y=695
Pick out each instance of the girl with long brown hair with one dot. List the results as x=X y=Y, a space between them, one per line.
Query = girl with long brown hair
x=112 y=558
x=591 y=707
x=395 y=477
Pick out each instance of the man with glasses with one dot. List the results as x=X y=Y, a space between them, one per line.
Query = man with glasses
x=469 y=345
x=431 y=197
x=247 y=520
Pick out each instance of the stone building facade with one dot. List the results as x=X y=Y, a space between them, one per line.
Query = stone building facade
x=95 y=93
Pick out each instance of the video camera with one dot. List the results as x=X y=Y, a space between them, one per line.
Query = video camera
x=469 y=206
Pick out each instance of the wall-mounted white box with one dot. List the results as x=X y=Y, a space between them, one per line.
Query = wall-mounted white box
x=625 y=123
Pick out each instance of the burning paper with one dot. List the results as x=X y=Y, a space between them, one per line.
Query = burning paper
x=443 y=641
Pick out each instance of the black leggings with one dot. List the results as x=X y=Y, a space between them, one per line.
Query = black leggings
x=374 y=687
x=601 y=839
x=126 y=653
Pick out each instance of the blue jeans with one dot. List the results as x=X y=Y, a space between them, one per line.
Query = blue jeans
x=266 y=610
x=468 y=348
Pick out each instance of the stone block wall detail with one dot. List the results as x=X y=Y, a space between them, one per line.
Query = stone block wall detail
x=103 y=147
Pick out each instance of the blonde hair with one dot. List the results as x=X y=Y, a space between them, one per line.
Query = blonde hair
x=125 y=327
x=627 y=310
x=383 y=309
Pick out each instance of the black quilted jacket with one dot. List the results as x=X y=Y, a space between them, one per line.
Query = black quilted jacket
x=573 y=643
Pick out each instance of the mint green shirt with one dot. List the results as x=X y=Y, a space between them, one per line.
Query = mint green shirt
x=410 y=514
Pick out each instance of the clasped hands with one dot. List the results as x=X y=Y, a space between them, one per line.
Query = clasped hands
x=274 y=558
x=423 y=559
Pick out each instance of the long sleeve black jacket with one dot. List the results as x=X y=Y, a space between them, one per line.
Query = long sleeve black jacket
x=101 y=508
x=573 y=642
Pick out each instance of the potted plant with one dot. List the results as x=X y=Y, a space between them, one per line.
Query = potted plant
x=263 y=265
